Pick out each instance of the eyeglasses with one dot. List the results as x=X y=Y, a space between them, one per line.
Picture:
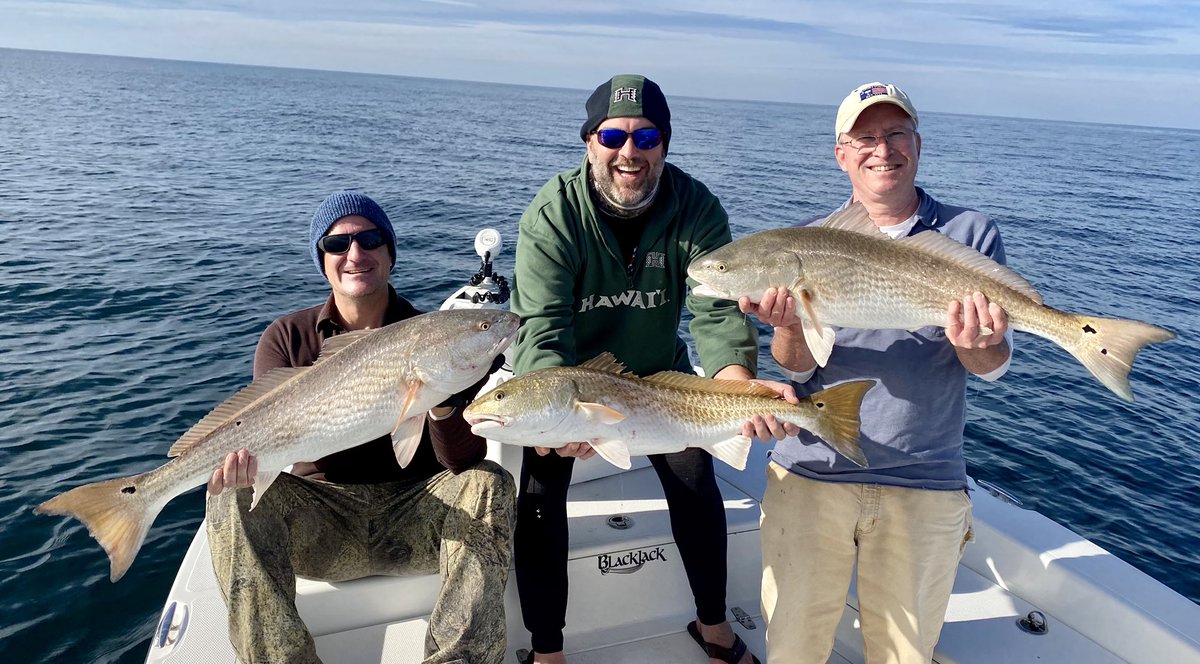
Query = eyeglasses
x=868 y=143
x=646 y=138
x=369 y=239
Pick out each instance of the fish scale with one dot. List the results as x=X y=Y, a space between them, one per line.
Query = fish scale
x=908 y=289
x=659 y=418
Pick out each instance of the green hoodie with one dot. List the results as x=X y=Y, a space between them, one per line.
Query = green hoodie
x=576 y=300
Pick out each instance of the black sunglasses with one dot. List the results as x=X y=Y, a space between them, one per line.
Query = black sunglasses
x=339 y=244
x=646 y=138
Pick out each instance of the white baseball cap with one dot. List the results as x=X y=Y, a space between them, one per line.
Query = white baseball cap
x=868 y=95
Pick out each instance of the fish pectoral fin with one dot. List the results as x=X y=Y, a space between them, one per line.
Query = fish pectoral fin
x=598 y=412
x=410 y=397
x=613 y=451
x=818 y=337
x=406 y=438
x=263 y=480
x=733 y=451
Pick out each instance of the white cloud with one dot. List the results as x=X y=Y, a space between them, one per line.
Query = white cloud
x=1106 y=61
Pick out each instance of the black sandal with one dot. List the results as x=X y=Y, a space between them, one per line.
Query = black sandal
x=732 y=655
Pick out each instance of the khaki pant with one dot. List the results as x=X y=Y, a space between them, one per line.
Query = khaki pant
x=459 y=526
x=907 y=542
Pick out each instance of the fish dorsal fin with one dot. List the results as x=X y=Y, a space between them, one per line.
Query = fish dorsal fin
x=947 y=248
x=854 y=219
x=685 y=381
x=231 y=408
x=336 y=344
x=606 y=362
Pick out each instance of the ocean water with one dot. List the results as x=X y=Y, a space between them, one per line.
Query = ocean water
x=154 y=220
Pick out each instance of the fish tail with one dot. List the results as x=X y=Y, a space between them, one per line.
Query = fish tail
x=118 y=513
x=1108 y=346
x=838 y=418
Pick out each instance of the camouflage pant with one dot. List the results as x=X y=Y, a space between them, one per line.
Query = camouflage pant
x=459 y=526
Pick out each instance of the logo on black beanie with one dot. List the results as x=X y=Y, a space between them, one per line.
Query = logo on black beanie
x=626 y=93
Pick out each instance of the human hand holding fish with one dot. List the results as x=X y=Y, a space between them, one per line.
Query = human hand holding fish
x=763 y=427
x=767 y=428
x=236 y=472
x=976 y=328
x=777 y=308
x=975 y=323
x=582 y=450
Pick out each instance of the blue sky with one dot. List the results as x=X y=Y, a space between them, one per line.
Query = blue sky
x=1130 y=62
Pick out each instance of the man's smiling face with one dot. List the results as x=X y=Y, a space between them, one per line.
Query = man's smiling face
x=888 y=170
x=625 y=176
x=358 y=272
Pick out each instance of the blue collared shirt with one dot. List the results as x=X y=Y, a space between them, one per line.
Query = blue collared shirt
x=913 y=419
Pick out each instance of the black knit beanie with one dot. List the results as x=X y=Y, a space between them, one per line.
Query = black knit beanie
x=628 y=96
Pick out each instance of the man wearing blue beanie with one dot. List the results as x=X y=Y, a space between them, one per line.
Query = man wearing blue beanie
x=314 y=520
x=344 y=204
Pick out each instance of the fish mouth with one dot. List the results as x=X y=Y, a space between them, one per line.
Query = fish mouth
x=502 y=344
x=483 y=422
x=704 y=290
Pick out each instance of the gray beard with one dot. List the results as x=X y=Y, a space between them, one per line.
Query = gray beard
x=615 y=209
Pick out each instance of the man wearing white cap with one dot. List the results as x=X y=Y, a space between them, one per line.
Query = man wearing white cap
x=906 y=518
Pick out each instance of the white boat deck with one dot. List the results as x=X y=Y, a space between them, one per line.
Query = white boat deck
x=1099 y=609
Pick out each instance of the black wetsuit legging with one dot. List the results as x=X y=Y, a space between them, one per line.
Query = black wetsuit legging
x=540 y=540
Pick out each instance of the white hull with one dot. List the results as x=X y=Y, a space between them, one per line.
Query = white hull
x=1099 y=609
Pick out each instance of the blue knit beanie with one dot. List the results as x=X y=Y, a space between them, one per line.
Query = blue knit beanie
x=343 y=204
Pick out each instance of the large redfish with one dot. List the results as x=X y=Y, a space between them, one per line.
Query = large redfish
x=622 y=415
x=846 y=273
x=364 y=385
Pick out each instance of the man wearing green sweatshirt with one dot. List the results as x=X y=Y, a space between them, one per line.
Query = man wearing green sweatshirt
x=601 y=266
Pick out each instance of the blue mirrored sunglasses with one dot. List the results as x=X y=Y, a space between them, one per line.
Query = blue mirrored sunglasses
x=369 y=239
x=646 y=138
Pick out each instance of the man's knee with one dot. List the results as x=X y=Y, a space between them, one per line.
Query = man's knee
x=490 y=485
x=230 y=518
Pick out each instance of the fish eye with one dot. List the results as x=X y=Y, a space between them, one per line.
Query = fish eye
x=721 y=267
x=498 y=396
x=484 y=326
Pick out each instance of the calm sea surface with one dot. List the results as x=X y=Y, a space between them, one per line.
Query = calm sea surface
x=155 y=216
